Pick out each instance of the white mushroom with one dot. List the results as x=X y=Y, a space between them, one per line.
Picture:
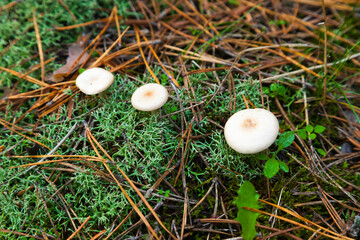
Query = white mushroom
x=251 y=130
x=149 y=97
x=94 y=81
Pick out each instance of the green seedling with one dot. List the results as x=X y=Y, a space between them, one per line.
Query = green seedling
x=273 y=164
x=247 y=197
x=81 y=70
x=310 y=132
x=194 y=31
x=233 y=2
x=163 y=79
x=275 y=90
x=278 y=22
x=282 y=92
x=165 y=193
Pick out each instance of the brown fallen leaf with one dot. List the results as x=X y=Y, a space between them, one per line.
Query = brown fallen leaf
x=5 y=93
x=74 y=52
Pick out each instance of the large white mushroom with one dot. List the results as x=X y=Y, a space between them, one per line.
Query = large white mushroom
x=251 y=130
x=94 y=81
x=149 y=97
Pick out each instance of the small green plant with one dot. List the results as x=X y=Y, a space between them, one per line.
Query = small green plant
x=310 y=131
x=81 y=70
x=233 y=2
x=163 y=79
x=165 y=193
x=194 y=31
x=278 y=22
x=247 y=197
x=273 y=164
x=274 y=90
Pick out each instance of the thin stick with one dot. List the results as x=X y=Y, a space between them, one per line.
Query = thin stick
x=46 y=209
x=109 y=49
x=53 y=150
x=25 y=77
x=91 y=138
x=261 y=91
x=158 y=59
x=79 y=228
x=54 y=161
x=41 y=53
x=305 y=101
x=245 y=101
x=19 y=233
x=117 y=23
x=98 y=235
x=297 y=224
x=269 y=79
x=68 y=9
x=302 y=218
x=92 y=43
x=143 y=56
x=325 y=50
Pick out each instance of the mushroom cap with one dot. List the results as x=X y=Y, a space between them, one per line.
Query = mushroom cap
x=94 y=80
x=251 y=130
x=149 y=97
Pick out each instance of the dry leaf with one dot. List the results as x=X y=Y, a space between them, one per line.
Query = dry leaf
x=75 y=51
x=5 y=93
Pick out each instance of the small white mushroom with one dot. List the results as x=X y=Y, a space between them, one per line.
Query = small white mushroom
x=94 y=81
x=149 y=97
x=251 y=130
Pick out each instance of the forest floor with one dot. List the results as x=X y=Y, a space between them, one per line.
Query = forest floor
x=93 y=167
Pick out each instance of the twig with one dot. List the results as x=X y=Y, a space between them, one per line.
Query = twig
x=52 y=151
x=325 y=50
x=46 y=208
x=41 y=53
x=78 y=230
x=269 y=79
